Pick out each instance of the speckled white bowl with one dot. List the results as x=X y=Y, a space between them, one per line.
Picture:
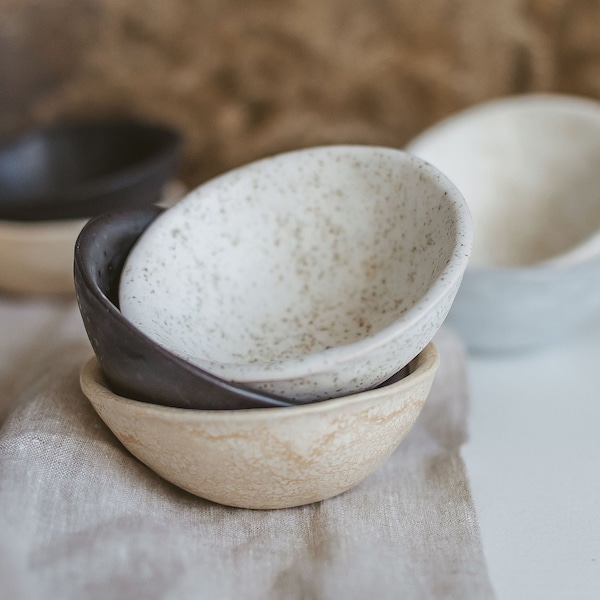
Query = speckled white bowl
x=312 y=274
x=529 y=168
x=271 y=457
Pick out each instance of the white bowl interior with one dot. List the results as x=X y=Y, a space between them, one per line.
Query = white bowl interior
x=529 y=169
x=291 y=255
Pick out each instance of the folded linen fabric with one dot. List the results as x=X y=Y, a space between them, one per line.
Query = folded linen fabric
x=82 y=518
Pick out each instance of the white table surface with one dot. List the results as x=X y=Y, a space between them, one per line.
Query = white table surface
x=533 y=459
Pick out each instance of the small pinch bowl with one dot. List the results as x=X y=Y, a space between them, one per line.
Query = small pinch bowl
x=54 y=178
x=271 y=458
x=311 y=274
x=528 y=168
x=134 y=365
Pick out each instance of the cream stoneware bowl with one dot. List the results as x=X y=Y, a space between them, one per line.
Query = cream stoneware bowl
x=312 y=274
x=529 y=168
x=271 y=457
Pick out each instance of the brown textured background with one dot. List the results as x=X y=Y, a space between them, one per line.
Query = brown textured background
x=244 y=78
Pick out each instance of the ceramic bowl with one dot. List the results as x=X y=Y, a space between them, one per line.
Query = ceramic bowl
x=271 y=458
x=52 y=179
x=134 y=365
x=312 y=274
x=36 y=257
x=78 y=170
x=528 y=168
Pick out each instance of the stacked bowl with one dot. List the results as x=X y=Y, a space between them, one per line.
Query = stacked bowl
x=54 y=178
x=266 y=342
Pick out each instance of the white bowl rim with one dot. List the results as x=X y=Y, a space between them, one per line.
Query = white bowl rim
x=588 y=250
x=426 y=364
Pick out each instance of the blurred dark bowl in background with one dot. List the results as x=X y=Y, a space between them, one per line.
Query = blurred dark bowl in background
x=81 y=169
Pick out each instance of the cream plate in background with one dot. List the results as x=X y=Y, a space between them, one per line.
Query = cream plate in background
x=36 y=257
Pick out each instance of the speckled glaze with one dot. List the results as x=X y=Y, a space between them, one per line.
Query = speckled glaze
x=311 y=274
x=528 y=168
x=271 y=458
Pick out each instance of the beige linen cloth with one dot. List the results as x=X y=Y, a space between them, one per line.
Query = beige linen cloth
x=82 y=518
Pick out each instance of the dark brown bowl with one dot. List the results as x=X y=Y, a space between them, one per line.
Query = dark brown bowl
x=134 y=365
x=79 y=170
